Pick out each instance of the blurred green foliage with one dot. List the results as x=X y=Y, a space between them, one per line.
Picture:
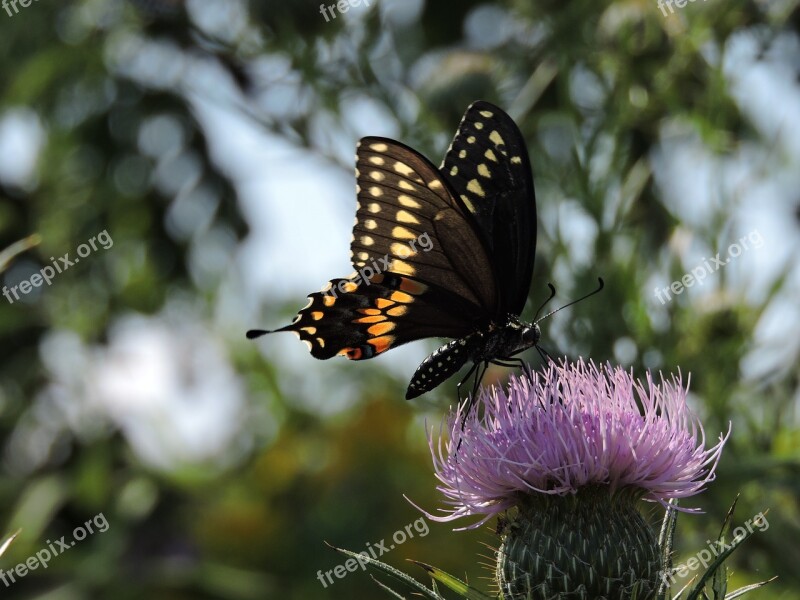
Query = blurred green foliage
x=113 y=90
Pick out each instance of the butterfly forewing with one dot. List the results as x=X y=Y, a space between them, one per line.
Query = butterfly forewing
x=409 y=223
x=488 y=168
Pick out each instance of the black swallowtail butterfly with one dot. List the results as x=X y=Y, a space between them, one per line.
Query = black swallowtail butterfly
x=442 y=252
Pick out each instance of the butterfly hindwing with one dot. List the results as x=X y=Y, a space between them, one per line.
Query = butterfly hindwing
x=360 y=318
x=488 y=168
x=408 y=222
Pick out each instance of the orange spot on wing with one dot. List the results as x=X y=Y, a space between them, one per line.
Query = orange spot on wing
x=381 y=328
x=375 y=319
x=351 y=353
x=328 y=300
x=401 y=297
x=383 y=303
x=350 y=287
x=397 y=311
x=382 y=344
x=411 y=286
x=317 y=315
x=369 y=311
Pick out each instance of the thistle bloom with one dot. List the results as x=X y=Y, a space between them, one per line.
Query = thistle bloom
x=572 y=450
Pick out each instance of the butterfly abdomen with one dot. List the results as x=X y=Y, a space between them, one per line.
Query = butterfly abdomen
x=442 y=364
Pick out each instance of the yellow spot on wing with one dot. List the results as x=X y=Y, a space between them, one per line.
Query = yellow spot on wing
x=487 y=113
x=374 y=208
x=435 y=184
x=454 y=171
x=321 y=342
x=404 y=185
x=367 y=241
x=462 y=154
x=496 y=138
x=401 y=233
x=376 y=191
x=471 y=139
x=377 y=175
x=483 y=170
x=408 y=201
x=468 y=203
x=379 y=147
x=401 y=250
x=376 y=160
x=490 y=155
x=403 y=169
x=403 y=216
x=370 y=224
x=516 y=160
x=478 y=125
x=475 y=187
x=398 y=266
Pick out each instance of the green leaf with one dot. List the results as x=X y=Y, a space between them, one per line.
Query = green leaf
x=8 y=541
x=386 y=588
x=666 y=539
x=453 y=583
x=718 y=562
x=742 y=591
x=397 y=574
x=17 y=248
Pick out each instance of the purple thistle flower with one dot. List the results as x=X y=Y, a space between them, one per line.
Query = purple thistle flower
x=571 y=451
x=573 y=426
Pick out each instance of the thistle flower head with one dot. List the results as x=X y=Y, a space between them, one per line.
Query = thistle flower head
x=574 y=426
x=571 y=451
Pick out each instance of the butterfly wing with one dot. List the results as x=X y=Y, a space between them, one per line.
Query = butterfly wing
x=409 y=222
x=361 y=318
x=488 y=168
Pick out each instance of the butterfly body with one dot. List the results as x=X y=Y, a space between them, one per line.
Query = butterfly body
x=438 y=252
x=494 y=344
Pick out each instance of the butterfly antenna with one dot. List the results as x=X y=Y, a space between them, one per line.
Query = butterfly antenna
x=552 y=295
x=582 y=298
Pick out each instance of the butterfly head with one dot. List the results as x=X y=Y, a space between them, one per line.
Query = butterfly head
x=531 y=334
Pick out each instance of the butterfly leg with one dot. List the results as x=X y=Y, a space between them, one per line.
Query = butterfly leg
x=479 y=368
x=510 y=362
x=544 y=354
